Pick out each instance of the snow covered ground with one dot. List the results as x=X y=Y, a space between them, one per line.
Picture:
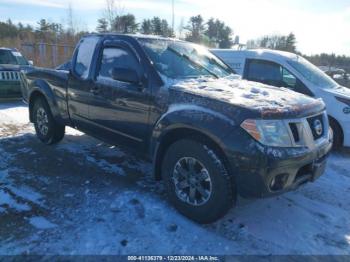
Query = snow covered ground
x=85 y=197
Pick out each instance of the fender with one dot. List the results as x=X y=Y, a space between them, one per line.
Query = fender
x=41 y=87
x=192 y=118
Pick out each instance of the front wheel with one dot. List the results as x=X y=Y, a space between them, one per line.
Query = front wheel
x=47 y=129
x=337 y=134
x=198 y=184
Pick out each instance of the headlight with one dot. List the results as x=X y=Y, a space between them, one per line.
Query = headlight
x=268 y=132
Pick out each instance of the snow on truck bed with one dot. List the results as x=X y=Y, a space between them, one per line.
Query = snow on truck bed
x=86 y=197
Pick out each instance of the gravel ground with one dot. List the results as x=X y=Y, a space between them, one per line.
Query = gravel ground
x=85 y=197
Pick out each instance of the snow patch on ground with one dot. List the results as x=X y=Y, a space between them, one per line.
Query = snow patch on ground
x=13 y=113
x=7 y=200
x=110 y=204
x=41 y=223
x=16 y=197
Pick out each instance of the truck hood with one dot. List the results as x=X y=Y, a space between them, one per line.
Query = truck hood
x=268 y=101
x=6 y=67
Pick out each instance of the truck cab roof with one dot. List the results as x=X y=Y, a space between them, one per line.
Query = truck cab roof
x=135 y=36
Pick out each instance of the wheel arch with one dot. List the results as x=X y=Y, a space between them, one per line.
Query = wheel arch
x=41 y=89
x=333 y=121
x=179 y=133
x=33 y=97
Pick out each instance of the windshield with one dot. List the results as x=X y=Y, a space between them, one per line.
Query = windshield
x=12 y=58
x=176 y=59
x=20 y=59
x=312 y=73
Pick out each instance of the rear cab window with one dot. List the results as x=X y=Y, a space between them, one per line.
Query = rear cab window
x=84 y=56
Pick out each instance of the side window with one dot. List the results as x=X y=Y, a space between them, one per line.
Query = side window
x=274 y=74
x=288 y=79
x=7 y=58
x=115 y=57
x=84 y=57
x=264 y=72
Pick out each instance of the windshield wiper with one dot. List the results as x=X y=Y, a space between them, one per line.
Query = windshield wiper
x=198 y=65
x=231 y=71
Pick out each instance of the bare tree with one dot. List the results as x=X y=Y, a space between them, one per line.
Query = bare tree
x=276 y=42
x=181 y=29
x=75 y=25
x=70 y=20
x=113 y=9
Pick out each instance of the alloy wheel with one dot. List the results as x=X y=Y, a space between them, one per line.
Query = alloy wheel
x=42 y=121
x=192 y=181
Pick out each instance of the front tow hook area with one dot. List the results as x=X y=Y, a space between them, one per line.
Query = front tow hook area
x=319 y=167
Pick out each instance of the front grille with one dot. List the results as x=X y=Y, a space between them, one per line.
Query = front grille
x=10 y=88
x=309 y=131
x=317 y=126
x=295 y=132
x=9 y=76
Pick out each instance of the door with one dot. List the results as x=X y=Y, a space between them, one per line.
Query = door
x=274 y=74
x=80 y=83
x=119 y=108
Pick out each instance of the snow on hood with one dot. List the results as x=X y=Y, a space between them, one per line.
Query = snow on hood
x=248 y=94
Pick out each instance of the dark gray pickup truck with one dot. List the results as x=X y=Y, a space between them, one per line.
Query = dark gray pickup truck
x=210 y=135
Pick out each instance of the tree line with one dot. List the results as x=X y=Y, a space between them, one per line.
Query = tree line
x=276 y=42
x=331 y=60
x=289 y=43
x=212 y=33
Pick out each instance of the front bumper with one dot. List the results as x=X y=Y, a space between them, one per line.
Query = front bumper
x=264 y=171
x=10 y=89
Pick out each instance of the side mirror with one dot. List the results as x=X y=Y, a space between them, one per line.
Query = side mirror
x=125 y=75
x=31 y=62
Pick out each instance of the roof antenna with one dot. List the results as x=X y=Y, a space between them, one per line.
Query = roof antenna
x=173 y=18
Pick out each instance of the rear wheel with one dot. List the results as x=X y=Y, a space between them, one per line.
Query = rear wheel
x=197 y=181
x=47 y=129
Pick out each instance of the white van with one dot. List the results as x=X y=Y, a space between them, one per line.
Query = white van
x=284 y=69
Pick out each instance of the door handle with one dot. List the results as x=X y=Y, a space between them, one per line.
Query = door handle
x=140 y=87
x=95 y=90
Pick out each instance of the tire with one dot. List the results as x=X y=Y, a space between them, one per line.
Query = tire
x=202 y=208
x=47 y=129
x=337 y=134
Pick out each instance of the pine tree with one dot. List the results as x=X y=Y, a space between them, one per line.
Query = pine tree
x=195 y=29
x=166 y=31
x=291 y=43
x=156 y=25
x=126 y=24
x=102 y=25
x=146 y=27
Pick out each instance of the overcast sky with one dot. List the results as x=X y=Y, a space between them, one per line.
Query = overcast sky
x=319 y=25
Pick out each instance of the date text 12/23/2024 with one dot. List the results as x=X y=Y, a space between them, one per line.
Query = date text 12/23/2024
x=173 y=258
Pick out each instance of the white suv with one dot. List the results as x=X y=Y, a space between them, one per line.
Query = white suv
x=283 y=69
